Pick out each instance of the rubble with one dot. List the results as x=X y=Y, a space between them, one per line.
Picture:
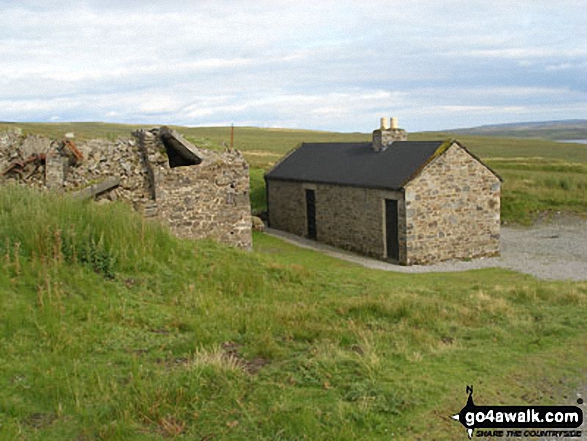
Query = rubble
x=198 y=193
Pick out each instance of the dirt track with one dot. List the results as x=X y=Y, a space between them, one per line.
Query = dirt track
x=550 y=250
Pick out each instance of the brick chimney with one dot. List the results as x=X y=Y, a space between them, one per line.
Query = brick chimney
x=387 y=133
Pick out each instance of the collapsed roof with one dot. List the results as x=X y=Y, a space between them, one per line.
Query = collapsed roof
x=177 y=149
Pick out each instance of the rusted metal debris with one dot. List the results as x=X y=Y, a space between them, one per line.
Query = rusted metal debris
x=68 y=149
x=65 y=148
x=18 y=167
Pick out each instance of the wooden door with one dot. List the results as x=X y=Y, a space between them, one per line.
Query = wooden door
x=391 y=229
x=311 y=213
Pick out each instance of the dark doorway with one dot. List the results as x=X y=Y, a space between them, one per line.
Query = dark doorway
x=311 y=213
x=391 y=230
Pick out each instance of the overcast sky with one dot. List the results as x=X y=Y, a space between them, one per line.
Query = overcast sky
x=316 y=64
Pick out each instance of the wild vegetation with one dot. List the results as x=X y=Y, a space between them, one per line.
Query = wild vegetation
x=555 y=130
x=112 y=329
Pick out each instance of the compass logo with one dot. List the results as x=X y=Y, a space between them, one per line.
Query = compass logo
x=474 y=417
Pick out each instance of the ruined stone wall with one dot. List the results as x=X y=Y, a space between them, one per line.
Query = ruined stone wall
x=102 y=159
x=452 y=210
x=206 y=200
x=346 y=217
x=120 y=158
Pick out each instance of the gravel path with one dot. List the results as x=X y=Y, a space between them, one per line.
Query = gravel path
x=549 y=250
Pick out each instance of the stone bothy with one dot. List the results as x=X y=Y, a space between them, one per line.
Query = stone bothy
x=197 y=192
x=409 y=202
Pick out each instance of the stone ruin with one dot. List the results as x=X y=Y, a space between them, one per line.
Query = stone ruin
x=198 y=193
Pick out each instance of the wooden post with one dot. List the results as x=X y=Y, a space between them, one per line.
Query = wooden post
x=232 y=137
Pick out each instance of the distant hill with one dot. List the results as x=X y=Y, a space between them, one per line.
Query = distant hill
x=555 y=130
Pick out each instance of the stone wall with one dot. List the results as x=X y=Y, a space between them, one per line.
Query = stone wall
x=286 y=203
x=101 y=159
x=206 y=200
x=354 y=218
x=452 y=210
x=346 y=217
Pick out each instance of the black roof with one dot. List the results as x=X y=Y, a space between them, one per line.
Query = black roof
x=357 y=164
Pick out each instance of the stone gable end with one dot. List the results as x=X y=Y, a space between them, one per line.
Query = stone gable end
x=452 y=210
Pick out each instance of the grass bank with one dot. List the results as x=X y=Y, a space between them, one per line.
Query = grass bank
x=143 y=336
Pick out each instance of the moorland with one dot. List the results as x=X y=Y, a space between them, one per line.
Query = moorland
x=112 y=329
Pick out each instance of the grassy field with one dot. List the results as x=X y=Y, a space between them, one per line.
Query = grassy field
x=540 y=176
x=554 y=130
x=111 y=329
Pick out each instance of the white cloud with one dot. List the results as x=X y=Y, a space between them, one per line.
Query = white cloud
x=328 y=64
x=523 y=53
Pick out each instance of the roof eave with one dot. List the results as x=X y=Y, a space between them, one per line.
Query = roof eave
x=372 y=187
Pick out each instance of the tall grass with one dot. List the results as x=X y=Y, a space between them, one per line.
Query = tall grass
x=193 y=340
x=57 y=227
x=534 y=186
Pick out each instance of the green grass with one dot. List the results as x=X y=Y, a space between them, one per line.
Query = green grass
x=82 y=131
x=540 y=176
x=531 y=190
x=258 y=194
x=570 y=130
x=177 y=339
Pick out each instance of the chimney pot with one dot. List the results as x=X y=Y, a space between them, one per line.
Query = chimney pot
x=386 y=135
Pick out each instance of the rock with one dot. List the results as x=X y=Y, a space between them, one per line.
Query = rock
x=34 y=144
x=257 y=223
x=126 y=166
